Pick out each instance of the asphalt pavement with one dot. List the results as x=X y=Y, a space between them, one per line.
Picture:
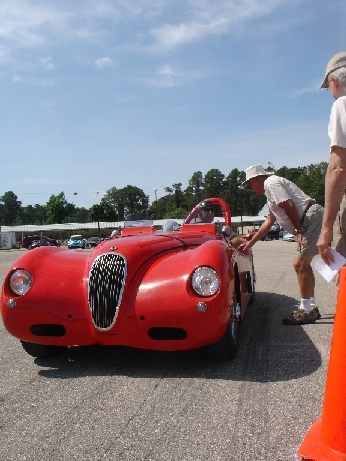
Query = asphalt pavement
x=116 y=403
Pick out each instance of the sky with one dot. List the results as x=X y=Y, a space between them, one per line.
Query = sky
x=109 y=93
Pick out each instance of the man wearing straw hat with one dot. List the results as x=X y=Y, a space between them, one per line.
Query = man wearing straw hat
x=298 y=214
x=335 y=199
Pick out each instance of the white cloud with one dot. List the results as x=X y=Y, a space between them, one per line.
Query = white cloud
x=35 y=22
x=169 y=36
x=32 y=81
x=167 y=77
x=47 y=63
x=104 y=62
x=308 y=89
x=210 y=18
x=26 y=22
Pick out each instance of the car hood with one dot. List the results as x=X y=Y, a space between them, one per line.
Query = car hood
x=73 y=268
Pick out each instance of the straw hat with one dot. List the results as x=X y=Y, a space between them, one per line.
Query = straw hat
x=254 y=171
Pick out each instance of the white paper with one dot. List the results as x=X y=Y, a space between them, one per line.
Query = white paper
x=329 y=272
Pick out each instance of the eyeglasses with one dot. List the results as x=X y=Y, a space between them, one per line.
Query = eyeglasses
x=207 y=210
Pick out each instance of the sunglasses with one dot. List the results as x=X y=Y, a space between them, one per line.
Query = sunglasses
x=208 y=210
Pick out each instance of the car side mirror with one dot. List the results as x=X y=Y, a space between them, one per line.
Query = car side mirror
x=226 y=231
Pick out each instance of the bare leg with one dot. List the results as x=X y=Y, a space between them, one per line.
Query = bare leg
x=306 y=278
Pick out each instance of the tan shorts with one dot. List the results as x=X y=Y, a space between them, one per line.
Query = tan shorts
x=339 y=229
x=311 y=228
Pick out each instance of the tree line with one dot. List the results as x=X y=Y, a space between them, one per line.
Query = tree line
x=117 y=204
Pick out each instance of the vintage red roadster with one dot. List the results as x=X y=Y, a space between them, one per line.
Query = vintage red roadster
x=183 y=288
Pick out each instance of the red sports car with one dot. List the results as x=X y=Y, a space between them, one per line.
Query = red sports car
x=183 y=288
x=249 y=235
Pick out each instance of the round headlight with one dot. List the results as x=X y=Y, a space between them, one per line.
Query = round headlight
x=20 y=281
x=205 y=281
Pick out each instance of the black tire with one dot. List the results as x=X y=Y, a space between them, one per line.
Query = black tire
x=250 y=283
x=226 y=348
x=237 y=292
x=42 y=351
x=29 y=247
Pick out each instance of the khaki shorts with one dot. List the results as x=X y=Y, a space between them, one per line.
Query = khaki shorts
x=311 y=228
x=339 y=229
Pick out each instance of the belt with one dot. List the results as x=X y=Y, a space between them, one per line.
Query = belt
x=312 y=202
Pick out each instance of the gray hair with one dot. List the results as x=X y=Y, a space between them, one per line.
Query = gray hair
x=340 y=74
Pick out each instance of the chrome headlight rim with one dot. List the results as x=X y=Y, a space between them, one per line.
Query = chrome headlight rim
x=20 y=281
x=205 y=281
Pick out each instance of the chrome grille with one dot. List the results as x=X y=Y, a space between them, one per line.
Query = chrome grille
x=106 y=285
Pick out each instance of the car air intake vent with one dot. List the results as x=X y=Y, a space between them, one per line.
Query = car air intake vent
x=48 y=330
x=167 y=333
x=106 y=285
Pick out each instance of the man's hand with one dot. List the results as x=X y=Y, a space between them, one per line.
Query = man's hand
x=323 y=245
x=244 y=246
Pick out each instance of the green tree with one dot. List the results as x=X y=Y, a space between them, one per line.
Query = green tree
x=10 y=209
x=57 y=209
x=292 y=174
x=312 y=180
x=194 y=191
x=33 y=214
x=232 y=193
x=178 y=201
x=214 y=183
x=81 y=215
x=164 y=205
x=126 y=201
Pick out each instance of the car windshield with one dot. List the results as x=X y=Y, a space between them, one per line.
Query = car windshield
x=138 y=220
x=76 y=237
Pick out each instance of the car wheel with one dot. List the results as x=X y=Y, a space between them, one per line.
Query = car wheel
x=226 y=348
x=43 y=351
x=29 y=247
x=250 y=283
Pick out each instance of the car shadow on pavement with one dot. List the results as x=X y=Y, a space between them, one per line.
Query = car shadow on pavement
x=268 y=351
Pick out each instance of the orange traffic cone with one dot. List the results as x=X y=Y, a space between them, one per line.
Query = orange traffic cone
x=326 y=440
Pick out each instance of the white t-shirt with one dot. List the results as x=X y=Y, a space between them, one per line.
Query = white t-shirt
x=337 y=123
x=278 y=190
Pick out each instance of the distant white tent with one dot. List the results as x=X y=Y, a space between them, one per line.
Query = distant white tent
x=264 y=211
x=247 y=220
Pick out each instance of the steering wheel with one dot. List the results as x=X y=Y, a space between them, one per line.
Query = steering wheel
x=216 y=201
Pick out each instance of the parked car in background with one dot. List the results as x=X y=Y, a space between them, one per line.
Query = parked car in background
x=173 y=290
x=282 y=232
x=289 y=237
x=93 y=241
x=274 y=233
x=27 y=241
x=43 y=242
x=76 y=241
x=249 y=235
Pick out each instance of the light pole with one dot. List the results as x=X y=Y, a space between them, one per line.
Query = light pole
x=241 y=205
x=98 y=214
x=156 y=215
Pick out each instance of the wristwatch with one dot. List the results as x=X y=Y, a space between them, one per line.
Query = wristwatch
x=298 y=231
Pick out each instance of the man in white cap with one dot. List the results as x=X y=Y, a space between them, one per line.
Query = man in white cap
x=335 y=199
x=298 y=214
